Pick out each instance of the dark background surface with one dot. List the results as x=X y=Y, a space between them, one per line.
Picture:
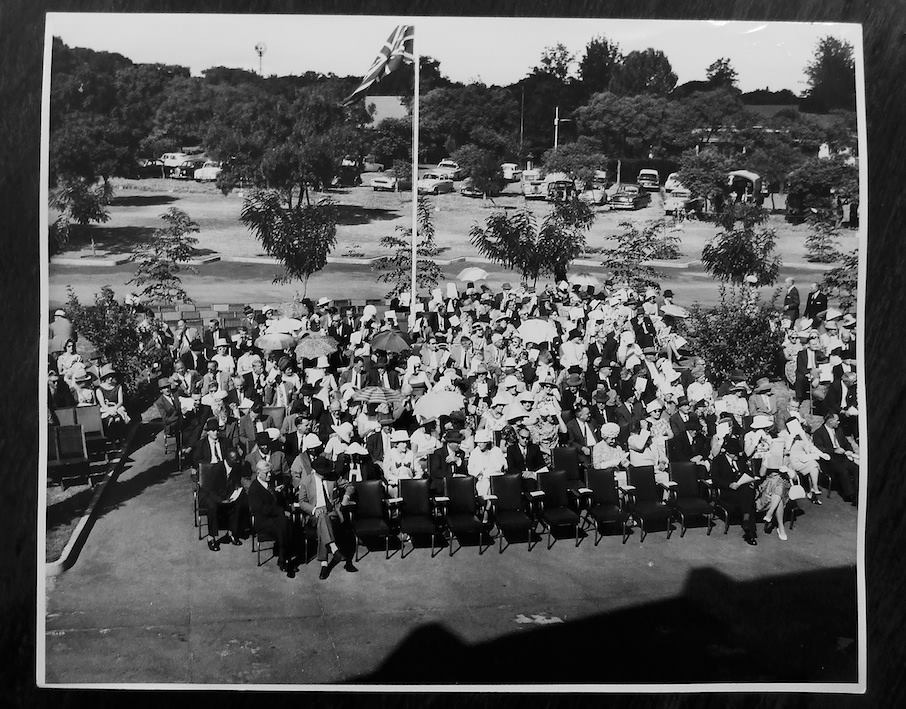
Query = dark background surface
x=21 y=56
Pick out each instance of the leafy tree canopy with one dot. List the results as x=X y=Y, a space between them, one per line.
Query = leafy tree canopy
x=647 y=72
x=832 y=75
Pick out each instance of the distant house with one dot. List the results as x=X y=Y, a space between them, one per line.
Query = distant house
x=386 y=107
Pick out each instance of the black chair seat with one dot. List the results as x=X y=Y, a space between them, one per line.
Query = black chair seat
x=265 y=537
x=464 y=522
x=512 y=519
x=560 y=516
x=606 y=513
x=693 y=506
x=652 y=510
x=417 y=525
x=371 y=528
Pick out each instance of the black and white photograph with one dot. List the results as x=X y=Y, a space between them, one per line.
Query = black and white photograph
x=474 y=353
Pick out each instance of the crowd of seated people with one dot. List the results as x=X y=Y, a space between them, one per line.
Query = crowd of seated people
x=605 y=374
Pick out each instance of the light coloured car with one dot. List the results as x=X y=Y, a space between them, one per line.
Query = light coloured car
x=186 y=169
x=389 y=182
x=594 y=193
x=451 y=168
x=677 y=200
x=511 y=172
x=434 y=183
x=209 y=171
x=629 y=197
x=672 y=183
x=649 y=179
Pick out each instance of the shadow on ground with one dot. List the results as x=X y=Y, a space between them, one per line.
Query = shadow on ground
x=793 y=628
x=351 y=214
x=142 y=200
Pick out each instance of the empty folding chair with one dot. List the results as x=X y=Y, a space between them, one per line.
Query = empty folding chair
x=645 y=500
x=463 y=510
x=66 y=416
x=89 y=417
x=557 y=505
x=369 y=516
x=508 y=506
x=418 y=514
x=605 y=507
x=689 y=497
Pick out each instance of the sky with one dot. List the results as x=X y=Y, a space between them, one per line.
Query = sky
x=495 y=51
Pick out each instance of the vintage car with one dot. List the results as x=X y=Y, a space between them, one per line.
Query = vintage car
x=511 y=172
x=186 y=169
x=450 y=168
x=389 y=181
x=649 y=179
x=434 y=183
x=209 y=171
x=629 y=197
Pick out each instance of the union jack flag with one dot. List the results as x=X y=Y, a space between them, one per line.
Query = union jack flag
x=398 y=49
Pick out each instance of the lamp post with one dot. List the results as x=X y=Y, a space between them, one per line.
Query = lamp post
x=557 y=122
x=260 y=49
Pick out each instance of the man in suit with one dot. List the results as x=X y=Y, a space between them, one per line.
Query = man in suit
x=377 y=443
x=843 y=463
x=217 y=492
x=523 y=454
x=269 y=516
x=643 y=328
x=194 y=358
x=184 y=427
x=329 y=418
x=59 y=395
x=355 y=374
x=815 y=302
x=306 y=401
x=628 y=414
x=446 y=461
x=791 y=300
x=762 y=401
x=807 y=360
x=682 y=415
x=727 y=469
x=840 y=399
x=582 y=435
x=211 y=448
x=690 y=446
x=603 y=410
x=311 y=448
x=269 y=450
x=292 y=445
x=251 y=424
x=215 y=376
x=189 y=379
x=321 y=496
x=461 y=354
x=384 y=376
x=211 y=334
x=256 y=380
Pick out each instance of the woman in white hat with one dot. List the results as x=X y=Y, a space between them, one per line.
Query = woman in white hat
x=415 y=381
x=80 y=381
x=398 y=461
x=485 y=461
x=339 y=441
x=110 y=397
x=757 y=442
x=546 y=428
x=225 y=361
x=607 y=453
x=493 y=418
x=772 y=492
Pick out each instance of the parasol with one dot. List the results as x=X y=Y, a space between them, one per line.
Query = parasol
x=284 y=325
x=312 y=346
x=377 y=395
x=537 y=331
x=274 y=341
x=390 y=341
x=472 y=273
x=584 y=279
x=675 y=311
x=438 y=403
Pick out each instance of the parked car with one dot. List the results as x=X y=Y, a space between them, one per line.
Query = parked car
x=467 y=190
x=390 y=181
x=511 y=172
x=533 y=185
x=629 y=197
x=209 y=171
x=148 y=168
x=672 y=183
x=372 y=165
x=679 y=198
x=560 y=190
x=348 y=177
x=649 y=179
x=434 y=183
x=595 y=191
x=186 y=169
x=451 y=168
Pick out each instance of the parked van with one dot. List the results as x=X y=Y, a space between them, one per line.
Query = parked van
x=649 y=179
x=533 y=185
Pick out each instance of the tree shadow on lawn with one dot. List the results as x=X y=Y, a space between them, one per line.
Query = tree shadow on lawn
x=351 y=214
x=142 y=200
x=125 y=239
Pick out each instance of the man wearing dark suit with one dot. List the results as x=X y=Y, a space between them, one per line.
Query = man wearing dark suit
x=523 y=455
x=806 y=360
x=211 y=448
x=255 y=381
x=841 y=466
x=726 y=470
x=384 y=376
x=211 y=334
x=194 y=358
x=306 y=401
x=582 y=435
x=446 y=461
x=321 y=496
x=604 y=410
x=251 y=424
x=791 y=300
x=292 y=446
x=815 y=302
x=840 y=398
x=355 y=374
x=168 y=406
x=266 y=449
x=690 y=446
x=605 y=347
x=377 y=443
x=643 y=328
x=683 y=414
x=59 y=395
x=269 y=516
x=628 y=414
x=216 y=488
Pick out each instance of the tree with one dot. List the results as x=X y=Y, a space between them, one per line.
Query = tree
x=705 y=174
x=814 y=187
x=429 y=75
x=625 y=126
x=300 y=237
x=398 y=267
x=112 y=327
x=580 y=160
x=647 y=72
x=740 y=332
x=482 y=168
x=707 y=112
x=831 y=75
x=627 y=260
x=742 y=247
x=392 y=139
x=516 y=242
x=721 y=73
x=556 y=61
x=597 y=66
x=843 y=282
x=159 y=262
x=78 y=203
x=822 y=242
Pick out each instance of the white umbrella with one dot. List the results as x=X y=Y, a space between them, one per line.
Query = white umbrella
x=472 y=273
x=537 y=331
x=284 y=325
x=584 y=279
x=675 y=311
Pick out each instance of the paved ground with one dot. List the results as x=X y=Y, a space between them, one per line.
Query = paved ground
x=147 y=602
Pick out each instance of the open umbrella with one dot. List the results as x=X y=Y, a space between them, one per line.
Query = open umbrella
x=675 y=311
x=274 y=341
x=584 y=279
x=537 y=331
x=312 y=346
x=284 y=325
x=438 y=403
x=390 y=341
x=472 y=273
x=377 y=395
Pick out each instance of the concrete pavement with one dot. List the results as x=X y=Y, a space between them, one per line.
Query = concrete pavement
x=147 y=602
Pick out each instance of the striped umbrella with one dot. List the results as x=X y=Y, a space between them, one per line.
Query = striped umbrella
x=378 y=395
x=312 y=346
x=274 y=341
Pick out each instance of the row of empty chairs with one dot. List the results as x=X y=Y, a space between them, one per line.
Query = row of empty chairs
x=76 y=442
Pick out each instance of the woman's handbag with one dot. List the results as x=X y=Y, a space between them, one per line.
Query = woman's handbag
x=797 y=492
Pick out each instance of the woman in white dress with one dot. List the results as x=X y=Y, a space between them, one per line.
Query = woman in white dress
x=485 y=461
x=398 y=462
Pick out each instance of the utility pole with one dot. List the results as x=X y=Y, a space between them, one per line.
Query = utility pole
x=557 y=122
x=521 y=119
x=260 y=49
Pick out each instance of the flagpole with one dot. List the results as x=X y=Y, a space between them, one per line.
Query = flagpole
x=414 y=285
